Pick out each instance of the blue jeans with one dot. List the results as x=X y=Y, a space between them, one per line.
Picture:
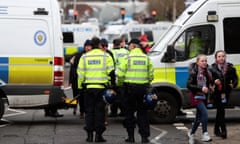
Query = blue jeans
x=201 y=117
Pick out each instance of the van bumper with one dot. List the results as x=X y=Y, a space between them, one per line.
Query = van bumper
x=32 y=96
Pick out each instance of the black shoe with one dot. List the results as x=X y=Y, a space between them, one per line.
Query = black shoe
x=56 y=114
x=224 y=135
x=90 y=137
x=145 y=140
x=99 y=138
x=130 y=140
x=217 y=133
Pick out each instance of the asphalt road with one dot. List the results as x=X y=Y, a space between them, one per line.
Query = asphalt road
x=32 y=127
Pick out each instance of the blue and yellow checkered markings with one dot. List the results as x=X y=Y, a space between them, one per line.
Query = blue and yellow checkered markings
x=25 y=70
x=182 y=76
x=69 y=50
x=4 y=69
x=177 y=76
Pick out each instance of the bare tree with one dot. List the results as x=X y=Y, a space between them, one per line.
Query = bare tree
x=165 y=8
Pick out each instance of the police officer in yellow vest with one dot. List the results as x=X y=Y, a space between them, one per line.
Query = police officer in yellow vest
x=136 y=73
x=96 y=72
x=118 y=54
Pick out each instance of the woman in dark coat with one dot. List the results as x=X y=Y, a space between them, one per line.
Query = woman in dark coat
x=225 y=79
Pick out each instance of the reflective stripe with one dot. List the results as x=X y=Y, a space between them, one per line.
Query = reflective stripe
x=136 y=78
x=96 y=78
x=138 y=70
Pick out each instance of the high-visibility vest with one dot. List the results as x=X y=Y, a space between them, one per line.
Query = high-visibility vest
x=94 y=68
x=196 y=47
x=119 y=54
x=136 y=68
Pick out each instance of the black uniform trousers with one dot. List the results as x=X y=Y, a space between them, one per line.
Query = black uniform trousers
x=94 y=110
x=118 y=103
x=220 y=122
x=133 y=97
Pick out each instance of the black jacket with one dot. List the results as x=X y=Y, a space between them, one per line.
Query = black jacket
x=73 y=76
x=192 y=79
x=230 y=77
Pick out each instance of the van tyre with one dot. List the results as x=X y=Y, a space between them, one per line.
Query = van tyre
x=166 y=109
x=1 y=108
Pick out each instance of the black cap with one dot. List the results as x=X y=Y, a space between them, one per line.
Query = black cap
x=88 y=43
x=116 y=42
x=104 y=42
x=134 y=41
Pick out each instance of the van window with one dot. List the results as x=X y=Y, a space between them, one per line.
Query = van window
x=68 y=37
x=231 y=35
x=195 y=41
x=149 y=35
x=135 y=35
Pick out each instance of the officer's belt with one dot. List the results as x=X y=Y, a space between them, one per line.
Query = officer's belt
x=136 y=85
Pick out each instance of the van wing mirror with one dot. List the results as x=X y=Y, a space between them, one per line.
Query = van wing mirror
x=169 y=55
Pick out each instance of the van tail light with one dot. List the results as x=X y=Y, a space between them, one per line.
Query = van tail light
x=58 y=71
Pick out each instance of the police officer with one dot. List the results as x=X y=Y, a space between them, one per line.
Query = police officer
x=118 y=54
x=95 y=69
x=136 y=73
x=73 y=78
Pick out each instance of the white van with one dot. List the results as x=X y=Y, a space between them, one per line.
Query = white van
x=74 y=36
x=153 y=31
x=131 y=31
x=217 y=23
x=31 y=55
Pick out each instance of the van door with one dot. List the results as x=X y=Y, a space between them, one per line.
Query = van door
x=25 y=52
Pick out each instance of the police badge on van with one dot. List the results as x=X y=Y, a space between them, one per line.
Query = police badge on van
x=40 y=38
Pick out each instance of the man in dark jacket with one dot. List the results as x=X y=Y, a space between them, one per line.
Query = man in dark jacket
x=73 y=77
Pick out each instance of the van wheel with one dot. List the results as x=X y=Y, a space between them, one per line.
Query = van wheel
x=166 y=109
x=1 y=108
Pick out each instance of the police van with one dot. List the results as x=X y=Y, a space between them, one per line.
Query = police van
x=74 y=36
x=209 y=24
x=132 y=31
x=153 y=31
x=31 y=55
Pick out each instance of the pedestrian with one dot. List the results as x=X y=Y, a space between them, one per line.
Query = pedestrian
x=135 y=73
x=225 y=79
x=73 y=77
x=96 y=71
x=144 y=43
x=118 y=53
x=199 y=83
